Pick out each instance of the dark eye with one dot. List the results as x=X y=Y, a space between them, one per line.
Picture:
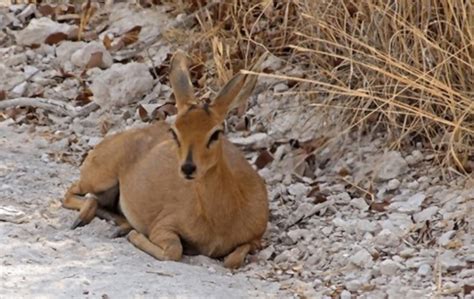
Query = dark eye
x=214 y=137
x=175 y=137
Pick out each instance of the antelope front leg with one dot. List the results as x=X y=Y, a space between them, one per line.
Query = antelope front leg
x=236 y=258
x=162 y=245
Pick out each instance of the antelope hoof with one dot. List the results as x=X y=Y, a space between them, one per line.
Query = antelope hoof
x=120 y=232
x=78 y=223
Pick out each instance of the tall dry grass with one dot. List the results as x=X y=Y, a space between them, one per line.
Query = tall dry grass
x=405 y=67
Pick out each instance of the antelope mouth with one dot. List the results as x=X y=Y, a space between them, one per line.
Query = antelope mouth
x=189 y=177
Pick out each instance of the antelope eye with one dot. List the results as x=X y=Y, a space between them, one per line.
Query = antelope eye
x=175 y=137
x=214 y=137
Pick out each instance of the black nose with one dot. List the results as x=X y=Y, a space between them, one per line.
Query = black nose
x=188 y=168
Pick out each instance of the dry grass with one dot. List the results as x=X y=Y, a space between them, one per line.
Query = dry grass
x=405 y=67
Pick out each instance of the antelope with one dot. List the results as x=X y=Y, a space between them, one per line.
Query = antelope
x=182 y=188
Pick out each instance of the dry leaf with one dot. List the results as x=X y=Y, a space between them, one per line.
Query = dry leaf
x=378 y=206
x=107 y=42
x=95 y=60
x=46 y=10
x=143 y=113
x=83 y=97
x=3 y=95
x=55 y=38
x=131 y=36
x=263 y=159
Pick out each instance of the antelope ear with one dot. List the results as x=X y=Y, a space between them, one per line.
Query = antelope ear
x=237 y=90
x=181 y=82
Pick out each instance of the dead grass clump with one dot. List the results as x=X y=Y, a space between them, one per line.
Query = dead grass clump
x=405 y=67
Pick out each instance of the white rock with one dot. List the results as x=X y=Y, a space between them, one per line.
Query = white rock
x=16 y=59
x=19 y=90
x=446 y=237
x=280 y=87
x=426 y=214
x=393 y=184
x=30 y=70
x=266 y=253
x=450 y=262
x=415 y=157
x=82 y=56
x=424 y=270
x=411 y=205
x=392 y=165
x=387 y=238
x=298 y=190
x=65 y=50
x=257 y=139
x=345 y=294
x=297 y=234
x=121 y=84
x=362 y=259
x=11 y=214
x=39 y=29
x=9 y=78
x=388 y=267
x=359 y=203
x=364 y=225
x=354 y=285
x=340 y=198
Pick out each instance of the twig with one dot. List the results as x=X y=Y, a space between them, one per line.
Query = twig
x=54 y=106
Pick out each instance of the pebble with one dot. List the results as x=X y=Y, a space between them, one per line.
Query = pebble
x=345 y=294
x=389 y=267
x=387 y=238
x=354 y=285
x=393 y=184
x=424 y=270
x=359 y=203
x=446 y=238
x=393 y=165
x=362 y=259
x=411 y=205
x=450 y=262
x=426 y=214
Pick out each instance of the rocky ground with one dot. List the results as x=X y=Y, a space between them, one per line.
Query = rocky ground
x=350 y=218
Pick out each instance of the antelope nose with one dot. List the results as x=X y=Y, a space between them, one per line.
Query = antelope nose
x=188 y=168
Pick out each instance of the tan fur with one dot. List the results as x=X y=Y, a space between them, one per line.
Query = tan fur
x=220 y=210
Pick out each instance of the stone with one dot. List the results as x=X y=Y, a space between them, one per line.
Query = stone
x=411 y=205
x=280 y=87
x=387 y=238
x=81 y=57
x=121 y=84
x=299 y=190
x=389 y=267
x=426 y=214
x=450 y=262
x=393 y=184
x=424 y=270
x=446 y=237
x=354 y=285
x=65 y=50
x=267 y=253
x=11 y=214
x=345 y=294
x=362 y=259
x=359 y=203
x=392 y=166
x=39 y=29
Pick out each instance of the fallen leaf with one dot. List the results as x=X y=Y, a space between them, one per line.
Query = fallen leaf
x=3 y=95
x=83 y=97
x=263 y=159
x=46 y=10
x=107 y=42
x=468 y=289
x=95 y=60
x=143 y=113
x=131 y=36
x=378 y=206
x=344 y=172
x=55 y=38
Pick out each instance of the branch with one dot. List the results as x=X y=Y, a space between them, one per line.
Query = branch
x=54 y=106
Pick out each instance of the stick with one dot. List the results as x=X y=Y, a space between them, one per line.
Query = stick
x=54 y=106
